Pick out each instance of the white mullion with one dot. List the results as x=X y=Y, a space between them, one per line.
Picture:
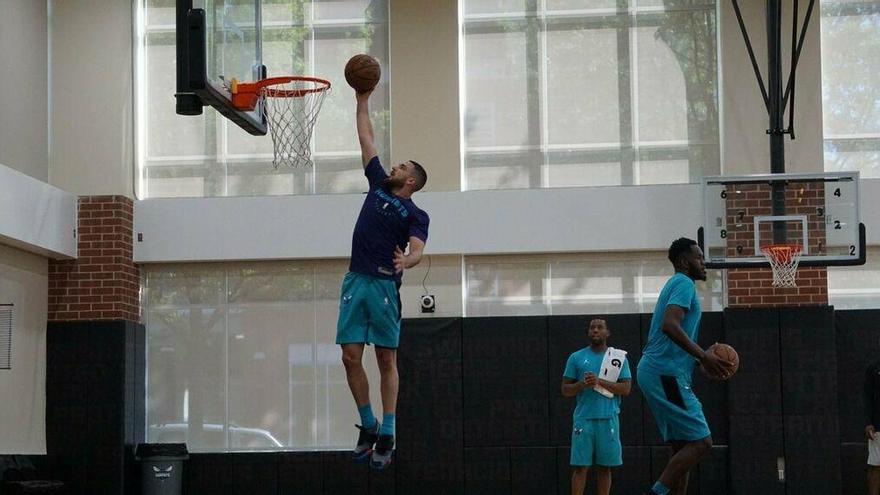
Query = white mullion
x=311 y=69
x=632 y=25
x=548 y=288
x=543 y=80
x=462 y=108
x=315 y=370
x=225 y=303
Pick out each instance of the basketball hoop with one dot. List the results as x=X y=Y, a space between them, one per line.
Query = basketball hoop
x=783 y=260
x=291 y=105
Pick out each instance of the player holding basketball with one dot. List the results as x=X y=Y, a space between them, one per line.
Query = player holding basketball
x=369 y=306
x=664 y=372
x=595 y=438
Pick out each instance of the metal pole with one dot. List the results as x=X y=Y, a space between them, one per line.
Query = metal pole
x=188 y=103
x=774 y=85
x=777 y=112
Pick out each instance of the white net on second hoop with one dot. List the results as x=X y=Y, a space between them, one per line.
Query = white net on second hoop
x=291 y=110
x=784 y=261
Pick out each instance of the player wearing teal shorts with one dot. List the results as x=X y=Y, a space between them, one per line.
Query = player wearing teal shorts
x=664 y=372
x=595 y=437
x=369 y=305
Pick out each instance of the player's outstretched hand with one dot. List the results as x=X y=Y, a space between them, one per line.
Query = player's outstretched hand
x=364 y=96
x=399 y=259
x=715 y=367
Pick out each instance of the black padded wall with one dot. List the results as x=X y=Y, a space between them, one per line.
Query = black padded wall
x=858 y=345
x=505 y=382
x=487 y=470
x=94 y=404
x=809 y=404
x=755 y=402
x=481 y=411
x=210 y=473
x=853 y=468
x=430 y=456
x=300 y=473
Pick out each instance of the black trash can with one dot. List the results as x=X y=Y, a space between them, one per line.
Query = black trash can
x=161 y=467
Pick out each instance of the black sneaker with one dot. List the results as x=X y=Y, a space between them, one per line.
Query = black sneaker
x=383 y=452
x=366 y=439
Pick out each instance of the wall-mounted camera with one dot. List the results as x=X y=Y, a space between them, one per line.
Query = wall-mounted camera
x=428 y=303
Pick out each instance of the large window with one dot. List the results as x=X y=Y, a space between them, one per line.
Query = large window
x=210 y=156
x=574 y=284
x=851 y=123
x=562 y=93
x=242 y=357
x=850 y=86
x=856 y=287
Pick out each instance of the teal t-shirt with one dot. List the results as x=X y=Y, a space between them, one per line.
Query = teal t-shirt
x=661 y=355
x=592 y=404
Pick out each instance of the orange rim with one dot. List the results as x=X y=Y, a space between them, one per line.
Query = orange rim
x=246 y=95
x=781 y=252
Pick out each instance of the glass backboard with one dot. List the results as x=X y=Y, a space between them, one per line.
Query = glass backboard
x=219 y=41
x=817 y=212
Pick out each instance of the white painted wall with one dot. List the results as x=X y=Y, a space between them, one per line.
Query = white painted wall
x=24 y=129
x=591 y=219
x=472 y=222
x=35 y=216
x=745 y=147
x=24 y=283
x=30 y=218
x=91 y=116
x=424 y=89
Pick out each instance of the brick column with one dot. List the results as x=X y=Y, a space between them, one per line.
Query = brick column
x=103 y=283
x=753 y=288
x=95 y=348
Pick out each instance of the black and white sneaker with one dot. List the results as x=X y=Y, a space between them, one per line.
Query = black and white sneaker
x=366 y=439
x=383 y=452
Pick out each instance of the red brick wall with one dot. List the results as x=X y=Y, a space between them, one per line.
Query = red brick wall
x=754 y=287
x=103 y=283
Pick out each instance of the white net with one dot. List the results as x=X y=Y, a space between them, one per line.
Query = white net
x=291 y=110
x=784 y=262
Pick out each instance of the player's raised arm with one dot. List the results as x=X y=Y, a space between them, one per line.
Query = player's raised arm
x=365 y=128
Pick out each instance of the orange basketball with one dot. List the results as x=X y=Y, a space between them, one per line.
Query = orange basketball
x=362 y=72
x=726 y=353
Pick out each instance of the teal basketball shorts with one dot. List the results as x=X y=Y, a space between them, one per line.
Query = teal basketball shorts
x=369 y=311
x=676 y=409
x=596 y=442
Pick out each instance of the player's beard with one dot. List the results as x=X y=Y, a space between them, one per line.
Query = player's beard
x=393 y=182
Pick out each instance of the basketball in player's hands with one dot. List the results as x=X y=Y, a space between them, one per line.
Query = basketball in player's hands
x=362 y=72
x=726 y=353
